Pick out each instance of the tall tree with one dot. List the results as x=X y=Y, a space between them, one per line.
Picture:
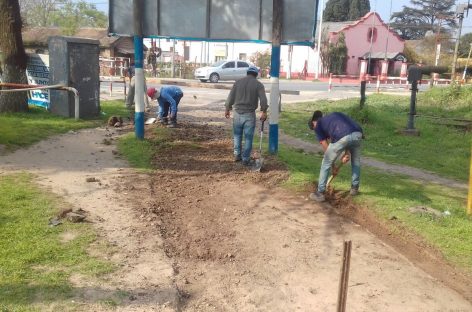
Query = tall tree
x=14 y=57
x=336 y=11
x=345 y=10
x=38 y=12
x=338 y=52
x=424 y=15
x=66 y=14
x=464 y=45
x=358 y=8
x=333 y=54
x=73 y=15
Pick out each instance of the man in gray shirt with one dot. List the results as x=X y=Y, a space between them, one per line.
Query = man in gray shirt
x=244 y=98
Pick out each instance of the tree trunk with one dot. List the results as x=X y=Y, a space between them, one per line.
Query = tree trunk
x=14 y=57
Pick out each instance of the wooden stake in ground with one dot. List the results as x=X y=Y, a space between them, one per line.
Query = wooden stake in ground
x=344 y=281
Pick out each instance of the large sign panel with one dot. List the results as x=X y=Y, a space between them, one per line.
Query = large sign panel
x=37 y=72
x=216 y=20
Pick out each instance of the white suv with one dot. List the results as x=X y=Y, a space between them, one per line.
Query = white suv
x=222 y=70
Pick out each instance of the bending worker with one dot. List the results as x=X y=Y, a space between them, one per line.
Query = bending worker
x=168 y=99
x=343 y=134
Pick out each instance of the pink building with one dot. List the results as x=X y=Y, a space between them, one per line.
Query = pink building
x=370 y=36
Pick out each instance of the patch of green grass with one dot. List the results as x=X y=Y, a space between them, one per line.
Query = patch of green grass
x=35 y=264
x=113 y=108
x=139 y=153
x=392 y=195
x=23 y=129
x=439 y=148
x=453 y=101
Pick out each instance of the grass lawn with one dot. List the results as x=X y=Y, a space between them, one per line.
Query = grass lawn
x=391 y=196
x=35 y=263
x=23 y=129
x=441 y=149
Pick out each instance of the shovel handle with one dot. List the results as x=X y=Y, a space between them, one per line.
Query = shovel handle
x=262 y=125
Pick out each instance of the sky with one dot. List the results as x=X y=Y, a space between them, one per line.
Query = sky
x=381 y=6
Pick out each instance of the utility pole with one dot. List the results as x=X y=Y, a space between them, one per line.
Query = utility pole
x=172 y=64
x=467 y=63
x=438 y=40
x=290 y=58
x=277 y=18
x=460 y=11
x=320 y=29
x=139 y=72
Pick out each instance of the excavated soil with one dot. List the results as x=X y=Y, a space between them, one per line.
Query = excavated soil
x=239 y=242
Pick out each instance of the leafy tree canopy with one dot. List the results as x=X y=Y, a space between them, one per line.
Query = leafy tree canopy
x=345 y=10
x=423 y=15
x=66 y=14
x=464 y=45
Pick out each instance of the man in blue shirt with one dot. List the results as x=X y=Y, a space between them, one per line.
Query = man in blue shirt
x=168 y=99
x=343 y=135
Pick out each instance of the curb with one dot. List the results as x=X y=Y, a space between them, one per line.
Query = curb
x=194 y=84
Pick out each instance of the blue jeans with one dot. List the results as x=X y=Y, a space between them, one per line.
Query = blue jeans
x=243 y=124
x=352 y=143
x=164 y=109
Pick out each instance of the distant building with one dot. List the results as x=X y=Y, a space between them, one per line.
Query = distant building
x=371 y=39
x=35 y=40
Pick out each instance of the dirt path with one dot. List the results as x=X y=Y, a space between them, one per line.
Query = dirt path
x=62 y=165
x=240 y=243
x=204 y=234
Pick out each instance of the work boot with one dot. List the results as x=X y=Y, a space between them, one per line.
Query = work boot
x=164 y=121
x=172 y=125
x=248 y=162
x=237 y=158
x=354 y=191
x=317 y=196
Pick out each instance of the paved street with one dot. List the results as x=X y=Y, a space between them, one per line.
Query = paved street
x=307 y=90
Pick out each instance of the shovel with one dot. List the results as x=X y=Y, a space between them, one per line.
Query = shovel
x=335 y=169
x=259 y=161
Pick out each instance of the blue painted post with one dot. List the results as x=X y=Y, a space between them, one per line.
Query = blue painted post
x=274 y=100
x=139 y=72
x=277 y=10
x=139 y=88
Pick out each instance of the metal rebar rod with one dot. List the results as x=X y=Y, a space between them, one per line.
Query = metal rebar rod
x=344 y=280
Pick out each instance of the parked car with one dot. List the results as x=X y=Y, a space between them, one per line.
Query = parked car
x=222 y=70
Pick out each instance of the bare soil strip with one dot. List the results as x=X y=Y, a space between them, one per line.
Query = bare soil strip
x=239 y=242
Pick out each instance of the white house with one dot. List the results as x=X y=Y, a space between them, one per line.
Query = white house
x=210 y=52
